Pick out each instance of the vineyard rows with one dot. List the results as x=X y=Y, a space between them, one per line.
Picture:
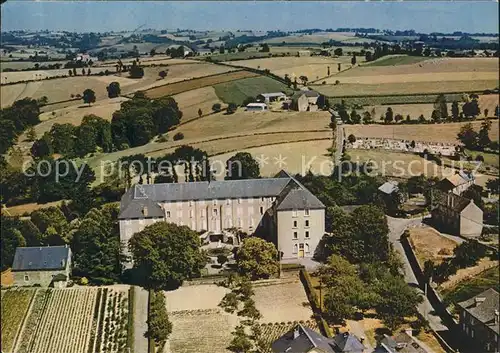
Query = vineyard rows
x=15 y=304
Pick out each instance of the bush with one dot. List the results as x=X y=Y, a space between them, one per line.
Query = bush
x=163 y=138
x=178 y=136
x=479 y=158
x=216 y=107
x=84 y=281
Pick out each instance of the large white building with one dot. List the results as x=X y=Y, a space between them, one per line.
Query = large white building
x=279 y=209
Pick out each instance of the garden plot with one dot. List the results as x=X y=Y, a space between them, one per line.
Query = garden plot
x=15 y=305
x=429 y=244
x=281 y=301
x=191 y=101
x=66 y=322
x=194 y=312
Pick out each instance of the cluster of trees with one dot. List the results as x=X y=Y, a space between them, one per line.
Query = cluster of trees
x=75 y=141
x=73 y=72
x=480 y=140
x=94 y=239
x=15 y=119
x=140 y=119
x=175 y=52
x=358 y=287
x=257 y=259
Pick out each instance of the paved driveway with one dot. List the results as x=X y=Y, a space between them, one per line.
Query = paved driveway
x=140 y=320
x=396 y=227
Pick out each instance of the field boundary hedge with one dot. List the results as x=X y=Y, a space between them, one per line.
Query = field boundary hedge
x=130 y=323
x=305 y=278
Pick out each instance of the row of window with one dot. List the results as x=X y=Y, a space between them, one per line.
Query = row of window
x=228 y=201
x=296 y=235
x=295 y=212
x=306 y=224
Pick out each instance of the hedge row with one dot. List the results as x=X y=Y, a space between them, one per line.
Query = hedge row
x=151 y=341
x=313 y=299
x=130 y=324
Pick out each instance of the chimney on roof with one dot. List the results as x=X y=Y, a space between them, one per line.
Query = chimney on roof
x=296 y=333
x=479 y=300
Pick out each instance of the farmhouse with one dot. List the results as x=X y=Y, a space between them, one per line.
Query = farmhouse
x=457 y=183
x=458 y=215
x=304 y=340
x=42 y=266
x=403 y=342
x=256 y=107
x=479 y=320
x=271 y=97
x=304 y=101
x=280 y=208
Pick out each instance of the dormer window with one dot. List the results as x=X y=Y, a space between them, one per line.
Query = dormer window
x=168 y=214
x=294 y=213
x=306 y=212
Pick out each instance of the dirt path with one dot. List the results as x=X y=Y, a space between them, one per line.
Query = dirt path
x=140 y=320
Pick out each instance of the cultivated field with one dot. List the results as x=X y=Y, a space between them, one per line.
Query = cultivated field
x=429 y=244
x=432 y=133
x=280 y=301
x=194 y=312
x=314 y=67
x=295 y=157
x=417 y=87
x=191 y=101
x=16 y=76
x=237 y=91
x=319 y=38
x=76 y=320
x=489 y=102
x=396 y=60
x=15 y=304
x=179 y=87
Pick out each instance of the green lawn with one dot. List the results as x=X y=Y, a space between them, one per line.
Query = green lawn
x=471 y=287
x=489 y=158
x=15 y=303
x=397 y=60
x=237 y=91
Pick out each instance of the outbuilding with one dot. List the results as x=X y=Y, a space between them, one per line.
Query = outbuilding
x=256 y=107
x=42 y=266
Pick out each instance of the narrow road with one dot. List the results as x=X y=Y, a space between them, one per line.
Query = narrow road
x=140 y=320
x=396 y=227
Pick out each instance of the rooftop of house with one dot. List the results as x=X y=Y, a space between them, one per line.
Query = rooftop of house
x=308 y=93
x=41 y=258
x=455 y=202
x=484 y=307
x=389 y=187
x=293 y=195
x=400 y=343
x=457 y=179
x=262 y=105
x=272 y=94
x=302 y=339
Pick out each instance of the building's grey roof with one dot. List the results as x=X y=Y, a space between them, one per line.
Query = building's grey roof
x=484 y=311
x=298 y=198
x=389 y=187
x=347 y=343
x=455 y=202
x=305 y=341
x=41 y=258
x=309 y=93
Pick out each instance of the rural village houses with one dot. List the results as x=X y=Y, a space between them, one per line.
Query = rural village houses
x=280 y=208
x=479 y=320
x=458 y=183
x=42 y=266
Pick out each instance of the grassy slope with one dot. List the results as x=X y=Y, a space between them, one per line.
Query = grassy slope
x=237 y=91
x=397 y=60
x=469 y=288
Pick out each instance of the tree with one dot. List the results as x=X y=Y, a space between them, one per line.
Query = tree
x=353 y=60
x=31 y=134
x=493 y=185
x=304 y=79
x=483 y=138
x=43 y=147
x=113 y=89
x=486 y=111
x=11 y=239
x=338 y=52
x=74 y=71
x=421 y=119
x=367 y=118
x=455 y=111
x=231 y=108
x=257 y=258
x=240 y=343
x=389 y=115
x=242 y=166
x=398 y=118
x=355 y=117
x=222 y=259
x=136 y=71
x=96 y=245
x=216 y=107
x=428 y=270
x=371 y=238
x=468 y=136
x=351 y=138
x=152 y=52
x=89 y=96
x=200 y=113
x=440 y=112
x=159 y=326
x=162 y=74
x=62 y=138
x=70 y=72
x=166 y=254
